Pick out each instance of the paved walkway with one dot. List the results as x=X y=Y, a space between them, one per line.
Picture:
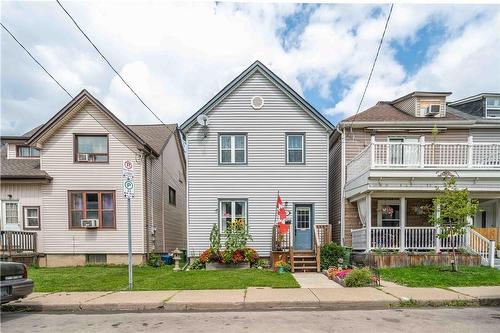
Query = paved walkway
x=258 y=299
x=314 y=280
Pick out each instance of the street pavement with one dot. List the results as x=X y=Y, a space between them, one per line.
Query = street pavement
x=476 y=319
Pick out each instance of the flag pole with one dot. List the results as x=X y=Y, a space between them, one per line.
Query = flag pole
x=276 y=207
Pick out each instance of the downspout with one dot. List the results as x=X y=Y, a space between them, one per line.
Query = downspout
x=151 y=203
x=146 y=203
x=342 y=185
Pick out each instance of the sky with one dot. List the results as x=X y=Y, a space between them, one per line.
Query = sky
x=179 y=55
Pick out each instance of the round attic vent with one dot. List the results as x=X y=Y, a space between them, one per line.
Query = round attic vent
x=257 y=102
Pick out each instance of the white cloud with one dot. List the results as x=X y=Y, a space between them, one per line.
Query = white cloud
x=178 y=55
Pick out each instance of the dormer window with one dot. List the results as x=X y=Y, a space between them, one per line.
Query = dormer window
x=492 y=107
x=27 y=151
x=91 y=148
x=431 y=110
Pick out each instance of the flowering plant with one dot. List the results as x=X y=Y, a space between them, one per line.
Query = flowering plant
x=387 y=210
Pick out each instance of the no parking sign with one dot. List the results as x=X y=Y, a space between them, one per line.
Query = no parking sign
x=128 y=179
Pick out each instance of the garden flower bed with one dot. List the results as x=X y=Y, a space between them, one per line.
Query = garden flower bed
x=352 y=277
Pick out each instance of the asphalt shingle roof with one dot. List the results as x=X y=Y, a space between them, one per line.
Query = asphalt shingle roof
x=384 y=111
x=154 y=135
x=20 y=168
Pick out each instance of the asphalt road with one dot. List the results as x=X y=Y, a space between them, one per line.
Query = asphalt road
x=407 y=320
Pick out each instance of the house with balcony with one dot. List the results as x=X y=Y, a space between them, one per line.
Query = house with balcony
x=392 y=159
x=61 y=191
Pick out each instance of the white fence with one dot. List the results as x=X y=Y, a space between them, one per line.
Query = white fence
x=424 y=155
x=422 y=238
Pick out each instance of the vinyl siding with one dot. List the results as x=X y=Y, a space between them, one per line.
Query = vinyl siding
x=169 y=220
x=27 y=195
x=266 y=171
x=485 y=134
x=407 y=105
x=57 y=160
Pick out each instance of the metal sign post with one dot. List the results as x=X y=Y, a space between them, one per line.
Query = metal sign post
x=128 y=192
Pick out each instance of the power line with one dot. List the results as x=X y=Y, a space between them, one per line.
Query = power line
x=32 y=57
x=107 y=61
x=373 y=65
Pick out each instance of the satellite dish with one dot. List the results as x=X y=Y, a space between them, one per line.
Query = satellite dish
x=202 y=120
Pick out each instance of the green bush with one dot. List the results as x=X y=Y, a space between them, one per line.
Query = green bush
x=358 y=277
x=154 y=260
x=330 y=254
x=196 y=264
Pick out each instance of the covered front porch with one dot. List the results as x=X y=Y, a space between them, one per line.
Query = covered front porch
x=399 y=223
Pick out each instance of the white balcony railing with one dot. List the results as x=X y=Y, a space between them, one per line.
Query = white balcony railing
x=457 y=155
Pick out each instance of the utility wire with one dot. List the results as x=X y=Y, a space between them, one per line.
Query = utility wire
x=373 y=65
x=32 y=57
x=107 y=61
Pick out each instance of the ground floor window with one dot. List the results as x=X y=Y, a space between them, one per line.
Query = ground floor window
x=230 y=210
x=98 y=205
x=31 y=216
x=388 y=213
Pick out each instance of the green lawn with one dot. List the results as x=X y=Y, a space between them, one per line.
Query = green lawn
x=104 y=278
x=442 y=277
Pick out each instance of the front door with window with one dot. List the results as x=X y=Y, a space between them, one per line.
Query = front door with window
x=303 y=223
x=10 y=216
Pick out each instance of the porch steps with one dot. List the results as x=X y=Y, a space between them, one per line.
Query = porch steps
x=304 y=261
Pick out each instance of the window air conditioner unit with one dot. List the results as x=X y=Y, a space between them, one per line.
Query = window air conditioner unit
x=83 y=157
x=89 y=223
x=431 y=110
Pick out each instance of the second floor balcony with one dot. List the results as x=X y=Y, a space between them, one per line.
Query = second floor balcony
x=417 y=159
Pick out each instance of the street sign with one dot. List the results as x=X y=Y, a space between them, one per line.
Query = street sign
x=128 y=179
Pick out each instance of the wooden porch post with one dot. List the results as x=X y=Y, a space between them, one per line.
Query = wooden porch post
x=438 y=240
x=368 y=222
x=402 y=224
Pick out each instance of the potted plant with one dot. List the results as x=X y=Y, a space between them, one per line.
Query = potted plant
x=282 y=265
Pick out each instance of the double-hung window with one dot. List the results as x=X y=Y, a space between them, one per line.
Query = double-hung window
x=492 y=107
x=92 y=205
x=295 y=149
x=232 y=148
x=91 y=148
x=231 y=210
x=31 y=217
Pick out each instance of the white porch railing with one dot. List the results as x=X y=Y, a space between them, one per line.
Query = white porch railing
x=482 y=246
x=423 y=154
x=422 y=238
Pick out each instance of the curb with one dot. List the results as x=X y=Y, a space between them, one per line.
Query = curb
x=241 y=306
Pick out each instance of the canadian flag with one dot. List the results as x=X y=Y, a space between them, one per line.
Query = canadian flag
x=281 y=215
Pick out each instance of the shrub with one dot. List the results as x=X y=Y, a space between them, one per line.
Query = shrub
x=251 y=255
x=261 y=264
x=358 y=277
x=331 y=253
x=154 y=260
x=196 y=264
x=210 y=256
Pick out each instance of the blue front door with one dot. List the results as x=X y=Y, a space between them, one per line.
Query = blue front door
x=302 y=225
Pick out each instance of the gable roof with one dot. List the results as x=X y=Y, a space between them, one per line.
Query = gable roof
x=84 y=96
x=156 y=135
x=258 y=66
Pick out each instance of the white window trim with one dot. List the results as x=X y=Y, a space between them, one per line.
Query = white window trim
x=492 y=108
x=233 y=148
x=296 y=216
x=4 y=214
x=25 y=217
x=380 y=204
x=222 y=225
x=288 y=148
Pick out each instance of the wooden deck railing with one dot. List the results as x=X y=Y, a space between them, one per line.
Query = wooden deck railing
x=322 y=236
x=12 y=242
x=280 y=242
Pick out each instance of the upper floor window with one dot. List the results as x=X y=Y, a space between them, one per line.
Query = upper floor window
x=295 y=149
x=492 y=107
x=27 y=151
x=91 y=148
x=232 y=149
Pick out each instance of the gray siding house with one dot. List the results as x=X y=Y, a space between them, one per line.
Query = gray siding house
x=70 y=169
x=260 y=137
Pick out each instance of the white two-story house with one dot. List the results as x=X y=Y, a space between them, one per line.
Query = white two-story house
x=391 y=160
x=254 y=138
x=61 y=188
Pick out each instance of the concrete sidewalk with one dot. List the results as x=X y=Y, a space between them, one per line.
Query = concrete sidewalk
x=258 y=299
